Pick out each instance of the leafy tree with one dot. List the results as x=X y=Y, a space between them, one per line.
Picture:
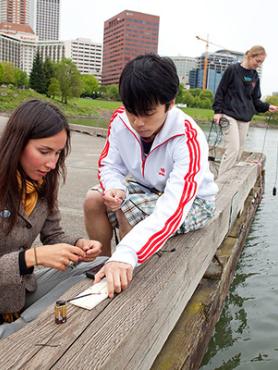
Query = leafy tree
x=90 y=85
x=272 y=100
x=179 y=97
x=54 y=88
x=37 y=75
x=69 y=79
x=112 y=92
x=21 y=78
x=205 y=103
x=49 y=71
x=1 y=73
x=207 y=94
x=8 y=73
x=188 y=99
x=196 y=92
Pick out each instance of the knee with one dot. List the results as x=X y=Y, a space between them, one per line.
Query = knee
x=93 y=202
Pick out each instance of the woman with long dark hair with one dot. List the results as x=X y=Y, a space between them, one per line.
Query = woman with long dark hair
x=33 y=148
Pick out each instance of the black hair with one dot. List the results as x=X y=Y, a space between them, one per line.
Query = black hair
x=34 y=119
x=146 y=81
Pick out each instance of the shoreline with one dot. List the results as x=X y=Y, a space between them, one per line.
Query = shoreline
x=252 y=124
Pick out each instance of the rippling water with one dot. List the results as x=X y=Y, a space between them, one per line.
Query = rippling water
x=246 y=336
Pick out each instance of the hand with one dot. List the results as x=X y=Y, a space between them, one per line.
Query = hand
x=273 y=108
x=118 y=275
x=113 y=198
x=217 y=117
x=92 y=248
x=57 y=256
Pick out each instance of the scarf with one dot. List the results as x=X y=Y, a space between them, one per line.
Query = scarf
x=30 y=194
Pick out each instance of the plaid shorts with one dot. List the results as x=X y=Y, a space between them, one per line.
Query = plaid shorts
x=141 y=203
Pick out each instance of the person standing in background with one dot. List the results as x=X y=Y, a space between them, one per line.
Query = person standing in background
x=237 y=99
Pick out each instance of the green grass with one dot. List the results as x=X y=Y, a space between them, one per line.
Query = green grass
x=91 y=112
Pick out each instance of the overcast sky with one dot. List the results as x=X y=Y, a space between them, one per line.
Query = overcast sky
x=232 y=24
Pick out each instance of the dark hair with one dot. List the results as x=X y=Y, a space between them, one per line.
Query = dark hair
x=146 y=81
x=34 y=119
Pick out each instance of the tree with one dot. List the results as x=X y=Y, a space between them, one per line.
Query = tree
x=8 y=73
x=90 y=85
x=54 y=88
x=37 y=75
x=69 y=79
x=179 y=97
x=49 y=71
x=196 y=92
x=112 y=92
x=188 y=99
x=21 y=78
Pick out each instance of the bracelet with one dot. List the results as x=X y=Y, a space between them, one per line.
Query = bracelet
x=35 y=255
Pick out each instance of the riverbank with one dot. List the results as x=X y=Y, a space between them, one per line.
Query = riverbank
x=97 y=113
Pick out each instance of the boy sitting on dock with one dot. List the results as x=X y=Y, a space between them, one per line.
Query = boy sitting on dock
x=154 y=172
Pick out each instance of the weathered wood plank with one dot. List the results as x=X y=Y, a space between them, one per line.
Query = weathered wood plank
x=130 y=330
x=186 y=345
x=144 y=316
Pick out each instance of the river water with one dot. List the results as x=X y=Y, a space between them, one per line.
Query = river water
x=246 y=336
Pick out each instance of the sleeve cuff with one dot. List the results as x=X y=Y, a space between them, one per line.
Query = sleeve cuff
x=124 y=254
x=23 y=269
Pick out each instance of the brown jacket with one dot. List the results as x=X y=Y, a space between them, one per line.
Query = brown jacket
x=13 y=286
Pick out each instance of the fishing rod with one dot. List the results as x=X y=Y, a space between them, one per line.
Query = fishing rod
x=217 y=130
x=274 y=190
x=266 y=129
x=275 y=182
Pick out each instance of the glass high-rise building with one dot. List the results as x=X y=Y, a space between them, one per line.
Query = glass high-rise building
x=127 y=35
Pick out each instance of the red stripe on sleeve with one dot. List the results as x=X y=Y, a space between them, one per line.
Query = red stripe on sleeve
x=156 y=241
x=105 y=150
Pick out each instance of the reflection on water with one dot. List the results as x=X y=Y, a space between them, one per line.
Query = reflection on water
x=246 y=336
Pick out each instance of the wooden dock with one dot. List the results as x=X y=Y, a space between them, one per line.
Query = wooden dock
x=131 y=331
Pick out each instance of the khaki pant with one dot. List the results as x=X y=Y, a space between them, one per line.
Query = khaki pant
x=234 y=139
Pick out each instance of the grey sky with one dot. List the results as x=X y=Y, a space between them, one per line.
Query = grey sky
x=233 y=24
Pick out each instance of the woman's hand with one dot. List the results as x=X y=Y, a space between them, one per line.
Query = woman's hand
x=92 y=248
x=57 y=256
x=217 y=117
x=273 y=108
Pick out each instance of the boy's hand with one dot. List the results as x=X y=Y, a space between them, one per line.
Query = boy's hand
x=118 y=275
x=113 y=198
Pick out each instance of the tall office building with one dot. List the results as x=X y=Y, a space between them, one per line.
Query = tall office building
x=48 y=19
x=184 y=65
x=86 y=54
x=217 y=64
x=127 y=35
x=17 y=11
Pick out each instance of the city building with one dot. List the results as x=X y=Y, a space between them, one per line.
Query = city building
x=86 y=54
x=18 y=45
x=217 y=62
x=18 y=12
x=47 y=19
x=51 y=49
x=184 y=65
x=127 y=35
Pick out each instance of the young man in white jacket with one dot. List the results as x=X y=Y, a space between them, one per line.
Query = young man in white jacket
x=165 y=153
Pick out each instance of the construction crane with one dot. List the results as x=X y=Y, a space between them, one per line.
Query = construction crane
x=206 y=58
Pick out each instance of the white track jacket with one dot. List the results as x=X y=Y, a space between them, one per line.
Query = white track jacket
x=176 y=165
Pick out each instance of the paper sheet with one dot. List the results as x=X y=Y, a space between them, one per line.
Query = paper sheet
x=92 y=301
